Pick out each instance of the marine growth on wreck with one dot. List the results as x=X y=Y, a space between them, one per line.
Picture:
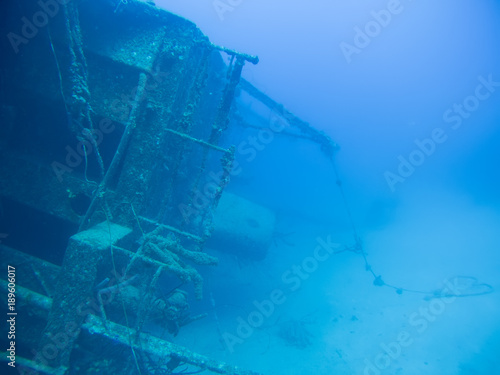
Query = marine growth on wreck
x=143 y=117
x=163 y=213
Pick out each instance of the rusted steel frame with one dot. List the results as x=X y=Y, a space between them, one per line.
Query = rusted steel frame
x=245 y=124
x=196 y=140
x=173 y=229
x=253 y=59
x=227 y=162
x=328 y=145
x=162 y=349
x=185 y=124
x=219 y=126
x=122 y=146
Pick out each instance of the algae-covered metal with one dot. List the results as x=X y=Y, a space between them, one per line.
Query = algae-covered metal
x=114 y=152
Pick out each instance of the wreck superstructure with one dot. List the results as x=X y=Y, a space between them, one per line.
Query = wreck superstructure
x=117 y=141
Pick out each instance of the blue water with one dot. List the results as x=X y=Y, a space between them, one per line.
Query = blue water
x=385 y=259
x=410 y=90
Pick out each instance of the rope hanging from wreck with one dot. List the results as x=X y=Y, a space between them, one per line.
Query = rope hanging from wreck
x=130 y=339
x=129 y=127
x=77 y=98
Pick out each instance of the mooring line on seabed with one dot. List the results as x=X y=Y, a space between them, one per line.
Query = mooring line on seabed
x=460 y=286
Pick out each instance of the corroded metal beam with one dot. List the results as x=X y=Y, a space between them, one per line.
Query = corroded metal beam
x=155 y=346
